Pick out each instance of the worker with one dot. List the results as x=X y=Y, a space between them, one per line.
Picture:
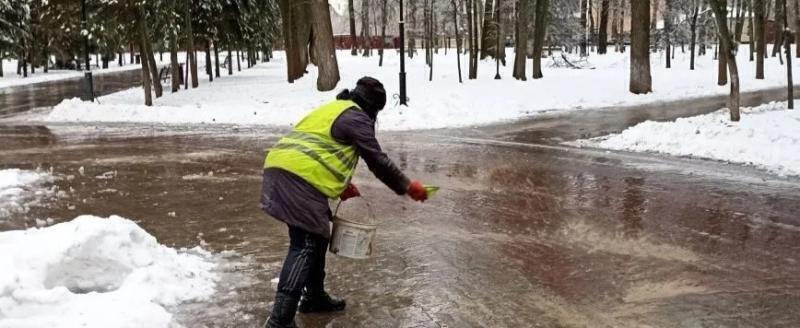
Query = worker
x=314 y=163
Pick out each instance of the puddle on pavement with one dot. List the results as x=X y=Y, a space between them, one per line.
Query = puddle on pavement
x=515 y=238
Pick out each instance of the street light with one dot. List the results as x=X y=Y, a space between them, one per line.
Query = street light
x=88 y=74
x=402 y=58
x=497 y=50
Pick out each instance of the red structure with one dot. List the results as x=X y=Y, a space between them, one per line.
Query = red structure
x=344 y=41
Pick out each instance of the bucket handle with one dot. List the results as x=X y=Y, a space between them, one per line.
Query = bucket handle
x=369 y=209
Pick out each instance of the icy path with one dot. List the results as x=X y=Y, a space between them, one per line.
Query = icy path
x=20 y=189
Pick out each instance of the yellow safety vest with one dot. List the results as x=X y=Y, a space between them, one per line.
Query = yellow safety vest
x=311 y=153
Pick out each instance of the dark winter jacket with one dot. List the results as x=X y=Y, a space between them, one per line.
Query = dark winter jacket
x=292 y=200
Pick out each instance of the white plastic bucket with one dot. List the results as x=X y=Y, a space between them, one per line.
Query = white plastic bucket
x=352 y=240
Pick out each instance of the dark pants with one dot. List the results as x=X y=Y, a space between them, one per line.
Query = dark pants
x=304 y=267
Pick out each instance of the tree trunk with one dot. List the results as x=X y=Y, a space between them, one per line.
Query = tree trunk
x=779 y=17
x=722 y=65
x=751 y=32
x=175 y=69
x=541 y=21
x=726 y=40
x=654 y=18
x=761 y=39
x=640 y=79
x=602 y=45
x=216 y=58
x=668 y=31
x=229 y=61
x=148 y=98
x=458 y=39
x=352 y=10
x=693 y=31
x=431 y=24
x=324 y=49
x=789 y=84
x=500 y=50
x=367 y=44
x=521 y=43
x=469 y=10
x=796 y=26
x=741 y=9
x=584 y=8
x=190 y=43
x=209 y=67
x=488 y=28
x=384 y=13
x=149 y=55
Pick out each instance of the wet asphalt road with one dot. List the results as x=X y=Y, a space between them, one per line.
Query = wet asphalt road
x=524 y=233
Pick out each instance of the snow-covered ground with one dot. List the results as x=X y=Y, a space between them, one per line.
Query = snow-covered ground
x=768 y=137
x=21 y=189
x=97 y=272
x=262 y=96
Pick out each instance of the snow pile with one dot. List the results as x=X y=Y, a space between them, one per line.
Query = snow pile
x=766 y=137
x=261 y=95
x=20 y=189
x=96 y=272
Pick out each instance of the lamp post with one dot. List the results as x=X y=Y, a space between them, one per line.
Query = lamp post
x=88 y=74
x=402 y=57
x=497 y=50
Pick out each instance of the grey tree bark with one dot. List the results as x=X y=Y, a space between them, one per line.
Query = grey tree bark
x=761 y=40
x=367 y=44
x=521 y=43
x=352 y=10
x=541 y=21
x=324 y=49
x=640 y=78
x=719 y=7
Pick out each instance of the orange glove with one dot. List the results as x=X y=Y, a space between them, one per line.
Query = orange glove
x=417 y=191
x=349 y=192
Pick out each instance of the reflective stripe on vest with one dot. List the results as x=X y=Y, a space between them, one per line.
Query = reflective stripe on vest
x=311 y=153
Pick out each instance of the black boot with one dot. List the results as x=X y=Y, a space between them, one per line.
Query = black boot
x=320 y=303
x=282 y=312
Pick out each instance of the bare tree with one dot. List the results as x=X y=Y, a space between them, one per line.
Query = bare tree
x=521 y=43
x=324 y=49
x=354 y=46
x=796 y=26
x=640 y=79
x=761 y=41
x=693 y=30
x=668 y=30
x=487 y=38
x=719 y=7
x=367 y=41
x=541 y=20
x=458 y=39
x=384 y=13
x=602 y=34
x=143 y=38
x=191 y=59
x=779 y=21
x=584 y=41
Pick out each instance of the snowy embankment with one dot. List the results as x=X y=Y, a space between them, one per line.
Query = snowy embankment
x=262 y=96
x=767 y=137
x=21 y=189
x=96 y=272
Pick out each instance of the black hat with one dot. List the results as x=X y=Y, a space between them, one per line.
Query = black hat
x=371 y=92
